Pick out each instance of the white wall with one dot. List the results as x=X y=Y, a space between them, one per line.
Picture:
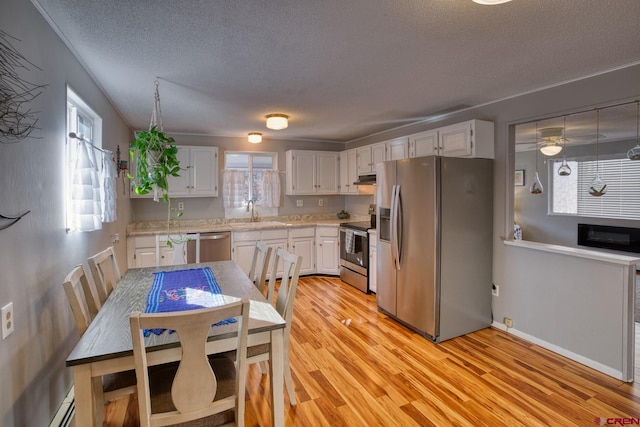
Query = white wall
x=36 y=253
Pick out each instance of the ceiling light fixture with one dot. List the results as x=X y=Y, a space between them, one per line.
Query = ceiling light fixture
x=255 y=137
x=277 y=121
x=551 y=138
x=490 y=2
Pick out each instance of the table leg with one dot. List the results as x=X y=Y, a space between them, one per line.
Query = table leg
x=83 y=392
x=276 y=366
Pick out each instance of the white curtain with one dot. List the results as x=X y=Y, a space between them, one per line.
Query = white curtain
x=109 y=175
x=234 y=183
x=86 y=207
x=271 y=188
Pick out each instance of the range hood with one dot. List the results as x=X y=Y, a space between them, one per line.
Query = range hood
x=366 y=180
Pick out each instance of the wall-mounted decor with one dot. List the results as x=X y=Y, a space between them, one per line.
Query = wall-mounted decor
x=518 y=178
x=17 y=119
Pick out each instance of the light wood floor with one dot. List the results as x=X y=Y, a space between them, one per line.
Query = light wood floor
x=375 y=372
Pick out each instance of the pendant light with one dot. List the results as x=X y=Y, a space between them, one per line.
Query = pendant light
x=564 y=169
x=536 y=186
x=598 y=187
x=634 y=153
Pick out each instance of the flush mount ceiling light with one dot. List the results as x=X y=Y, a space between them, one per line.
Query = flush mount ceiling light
x=491 y=2
x=277 y=121
x=551 y=138
x=255 y=137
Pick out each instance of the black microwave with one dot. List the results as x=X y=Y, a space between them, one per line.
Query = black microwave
x=608 y=237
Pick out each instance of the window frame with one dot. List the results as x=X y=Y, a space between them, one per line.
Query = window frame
x=251 y=154
x=75 y=106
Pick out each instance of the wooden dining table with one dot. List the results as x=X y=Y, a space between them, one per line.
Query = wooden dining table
x=106 y=346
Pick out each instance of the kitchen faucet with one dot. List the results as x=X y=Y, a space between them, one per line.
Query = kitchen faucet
x=252 y=204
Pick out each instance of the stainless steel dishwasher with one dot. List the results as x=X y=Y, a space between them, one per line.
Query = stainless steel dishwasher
x=213 y=247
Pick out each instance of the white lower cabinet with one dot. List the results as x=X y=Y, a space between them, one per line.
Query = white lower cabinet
x=302 y=243
x=244 y=243
x=327 y=250
x=373 y=243
x=141 y=251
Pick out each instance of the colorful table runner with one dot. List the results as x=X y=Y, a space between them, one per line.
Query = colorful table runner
x=181 y=290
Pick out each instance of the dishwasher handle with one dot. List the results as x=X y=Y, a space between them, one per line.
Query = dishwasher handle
x=215 y=236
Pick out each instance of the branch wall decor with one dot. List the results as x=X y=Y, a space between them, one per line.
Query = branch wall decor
x=17 y=120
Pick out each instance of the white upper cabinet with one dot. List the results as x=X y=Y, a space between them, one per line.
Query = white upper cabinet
x=423 y=144
x=198 y=173
x=398 y=148
x=473 y=138
x=312 y=172
x=369 y=156
x=348 y=172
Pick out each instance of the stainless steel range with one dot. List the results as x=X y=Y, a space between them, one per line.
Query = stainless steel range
x=354 y=254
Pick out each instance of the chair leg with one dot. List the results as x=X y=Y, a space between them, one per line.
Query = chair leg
x=288 y=381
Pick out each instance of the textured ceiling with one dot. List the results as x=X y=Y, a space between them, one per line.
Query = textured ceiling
x=342 y=69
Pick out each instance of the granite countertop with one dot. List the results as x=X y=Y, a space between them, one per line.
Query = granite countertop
x=149 y=228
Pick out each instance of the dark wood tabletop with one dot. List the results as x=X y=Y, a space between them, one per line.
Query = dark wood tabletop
x=109 y=334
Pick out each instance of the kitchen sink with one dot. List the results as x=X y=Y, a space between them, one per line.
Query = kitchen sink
x=258 y=224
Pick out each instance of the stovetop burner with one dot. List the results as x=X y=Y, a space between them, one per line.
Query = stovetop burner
x=360 y=225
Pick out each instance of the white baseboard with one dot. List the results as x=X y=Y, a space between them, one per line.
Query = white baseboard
x=563 y=352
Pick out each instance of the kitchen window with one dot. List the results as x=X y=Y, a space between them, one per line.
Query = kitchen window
x=244 y=179
x=570 y=194
x=84 y=168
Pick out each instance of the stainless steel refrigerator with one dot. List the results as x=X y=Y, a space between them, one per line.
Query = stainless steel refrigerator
x=434 y=253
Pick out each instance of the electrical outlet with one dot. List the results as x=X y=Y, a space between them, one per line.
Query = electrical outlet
x=7 y=320
x=508 y=322
x=180 y=206
x=299 y=203
x=320 y=202
x=115 y=238
x=495 y=290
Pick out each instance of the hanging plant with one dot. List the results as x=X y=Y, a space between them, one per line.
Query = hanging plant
x=156 y=159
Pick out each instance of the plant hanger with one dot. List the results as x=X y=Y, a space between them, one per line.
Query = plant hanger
x=13 y=220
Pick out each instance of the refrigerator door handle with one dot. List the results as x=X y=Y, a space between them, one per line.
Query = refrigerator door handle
x=394 y=226
x=392 y=221
x=399 y=224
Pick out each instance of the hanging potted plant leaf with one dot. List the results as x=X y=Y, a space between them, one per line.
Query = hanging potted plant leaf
x=156 y=159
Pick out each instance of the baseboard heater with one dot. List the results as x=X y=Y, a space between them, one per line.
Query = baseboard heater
x=66 y=412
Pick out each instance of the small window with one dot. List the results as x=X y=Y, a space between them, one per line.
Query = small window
x=84 y=194
x=253 y=164
x=570 y=194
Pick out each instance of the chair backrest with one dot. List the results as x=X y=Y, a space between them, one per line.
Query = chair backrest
x=82 y=299
x=287 y=292
x=105 y=272
x=260 y=265
x=194 y=386
x=179 y=246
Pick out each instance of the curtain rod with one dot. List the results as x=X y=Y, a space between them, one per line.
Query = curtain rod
x=80 y=138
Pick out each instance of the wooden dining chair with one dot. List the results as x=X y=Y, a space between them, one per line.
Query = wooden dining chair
x=85 y=306
x=260 y=265
x=284 y=305
x=105 y=272
x=82 y=298
x=207 y=392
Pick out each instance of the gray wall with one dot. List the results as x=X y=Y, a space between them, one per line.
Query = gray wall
x=36 y=254
x=604 y=89
x=530 y=210
x=211 y=207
